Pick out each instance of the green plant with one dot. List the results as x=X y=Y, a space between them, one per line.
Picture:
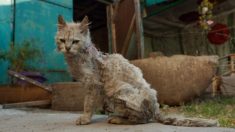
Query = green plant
x=221 y=108
x=19 y=55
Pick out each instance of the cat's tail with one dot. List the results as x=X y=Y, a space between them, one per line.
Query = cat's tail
x=177 y=120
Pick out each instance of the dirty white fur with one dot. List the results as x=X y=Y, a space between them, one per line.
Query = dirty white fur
x=111 y=78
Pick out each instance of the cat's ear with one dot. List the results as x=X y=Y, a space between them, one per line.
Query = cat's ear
x=84 y=25
x=61 y=22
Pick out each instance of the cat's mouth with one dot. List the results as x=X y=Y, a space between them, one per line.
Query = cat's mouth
x=70 y=53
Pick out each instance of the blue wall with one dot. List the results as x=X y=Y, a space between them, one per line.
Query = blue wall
x=153 y=2
x=37 y=20
x=5 y=38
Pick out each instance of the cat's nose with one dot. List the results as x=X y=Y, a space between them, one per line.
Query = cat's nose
x=67 y=48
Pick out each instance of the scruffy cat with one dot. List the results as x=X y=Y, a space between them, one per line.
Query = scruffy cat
x=110 y=78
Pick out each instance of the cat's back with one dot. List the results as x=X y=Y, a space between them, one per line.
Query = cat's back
x=116 y=66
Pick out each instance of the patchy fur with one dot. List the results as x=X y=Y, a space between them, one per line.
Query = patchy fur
x=110 y=78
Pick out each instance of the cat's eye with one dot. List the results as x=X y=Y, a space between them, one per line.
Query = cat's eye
x=62 y=40
x=75 y=41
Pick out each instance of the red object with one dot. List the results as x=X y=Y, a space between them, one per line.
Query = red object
x=218 y=34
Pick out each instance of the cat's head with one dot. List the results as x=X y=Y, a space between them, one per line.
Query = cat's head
x=71 y=37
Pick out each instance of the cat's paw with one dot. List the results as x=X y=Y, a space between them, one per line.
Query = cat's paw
x=115 y=120
x=83 y=120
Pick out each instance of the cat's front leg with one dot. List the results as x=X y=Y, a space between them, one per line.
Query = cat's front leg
x=89 y=106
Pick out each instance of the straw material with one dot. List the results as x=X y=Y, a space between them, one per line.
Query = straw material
x=178 y=78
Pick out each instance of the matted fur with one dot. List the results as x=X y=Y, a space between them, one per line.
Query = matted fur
x=110 y=78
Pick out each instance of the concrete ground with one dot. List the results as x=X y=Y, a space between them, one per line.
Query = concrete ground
x=35 y=120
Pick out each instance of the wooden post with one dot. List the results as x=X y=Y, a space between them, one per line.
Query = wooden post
x=232 y=58
x=128 y=37
x=111 y=28
x=181 y=41
x=139 y=30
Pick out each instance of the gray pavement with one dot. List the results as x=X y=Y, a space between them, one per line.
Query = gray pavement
x=35 y=120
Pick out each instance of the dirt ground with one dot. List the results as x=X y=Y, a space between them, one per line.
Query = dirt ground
x=37 y=120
